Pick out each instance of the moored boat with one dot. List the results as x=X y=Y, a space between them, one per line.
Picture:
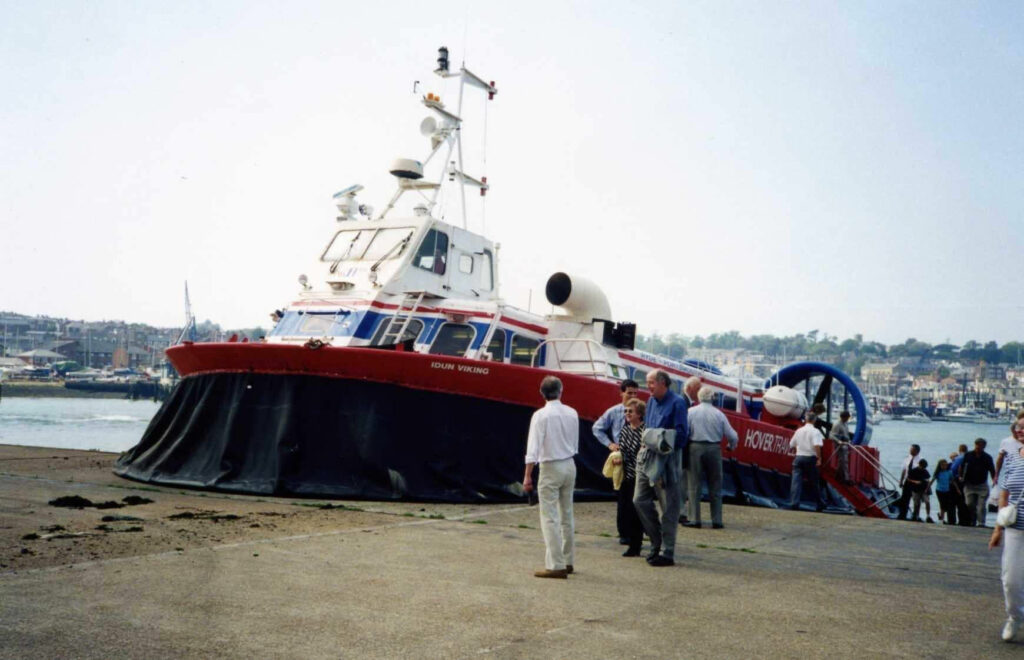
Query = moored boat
x=400 y=372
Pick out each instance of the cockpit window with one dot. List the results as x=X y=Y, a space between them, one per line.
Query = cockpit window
x=433 y=252
x=367 y=244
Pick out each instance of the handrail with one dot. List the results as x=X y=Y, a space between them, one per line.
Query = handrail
x=593 y=371
x=886 y=478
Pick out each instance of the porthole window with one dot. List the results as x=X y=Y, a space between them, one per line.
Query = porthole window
x=466 y=264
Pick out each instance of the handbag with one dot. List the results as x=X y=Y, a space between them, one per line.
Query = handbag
x=1007 y=516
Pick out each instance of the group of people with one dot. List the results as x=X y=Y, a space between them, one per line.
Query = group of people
x=662 y=451
x=648 y=443
x=963 y=483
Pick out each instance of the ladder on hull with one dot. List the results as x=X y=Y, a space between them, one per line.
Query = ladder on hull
x=399 y=321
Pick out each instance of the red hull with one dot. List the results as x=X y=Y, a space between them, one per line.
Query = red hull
x=762 y=445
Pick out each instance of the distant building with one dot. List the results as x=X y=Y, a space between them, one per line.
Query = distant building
x=990 y=372
x=878 y=371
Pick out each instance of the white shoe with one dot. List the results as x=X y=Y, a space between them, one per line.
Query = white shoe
x=1010 y=630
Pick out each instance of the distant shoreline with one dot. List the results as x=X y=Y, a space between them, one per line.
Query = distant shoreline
x=51 y=391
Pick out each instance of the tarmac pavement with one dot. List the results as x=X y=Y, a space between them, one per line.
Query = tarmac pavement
x=399 y=580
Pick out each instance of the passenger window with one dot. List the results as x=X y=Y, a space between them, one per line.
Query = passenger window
x=387 y=331
x=523 y=349
x=640 y=376
x=453 y=339
x=433 y=252
x=465 y=264
x=675 y=387
x=496 y=347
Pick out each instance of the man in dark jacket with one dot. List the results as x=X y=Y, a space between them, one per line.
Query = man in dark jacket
x=976 y=471
x=665 y=410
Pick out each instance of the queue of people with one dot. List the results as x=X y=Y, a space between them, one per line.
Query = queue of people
x=964 y=483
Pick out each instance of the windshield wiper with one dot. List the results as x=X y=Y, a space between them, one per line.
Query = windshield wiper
x=400 y=246
x=351 y=244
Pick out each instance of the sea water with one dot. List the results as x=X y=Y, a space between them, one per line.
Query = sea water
x=103 y=424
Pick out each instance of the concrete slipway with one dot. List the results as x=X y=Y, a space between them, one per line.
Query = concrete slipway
x=206 y=574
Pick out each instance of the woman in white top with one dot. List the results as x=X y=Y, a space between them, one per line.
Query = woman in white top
x=1012 y=481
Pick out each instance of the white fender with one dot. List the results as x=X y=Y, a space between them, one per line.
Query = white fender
x=782 y=401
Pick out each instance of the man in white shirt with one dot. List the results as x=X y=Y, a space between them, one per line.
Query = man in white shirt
x=807 y=442
x=553 y=442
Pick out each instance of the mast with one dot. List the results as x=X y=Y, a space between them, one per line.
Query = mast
x=443 y=129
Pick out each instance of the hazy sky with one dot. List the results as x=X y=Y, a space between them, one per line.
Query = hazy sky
x=763 y=167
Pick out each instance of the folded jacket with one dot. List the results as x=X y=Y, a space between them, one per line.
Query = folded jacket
x=613 y=471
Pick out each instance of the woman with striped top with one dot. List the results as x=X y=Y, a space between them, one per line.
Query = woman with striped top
x=1011 y=478
x=630 y=441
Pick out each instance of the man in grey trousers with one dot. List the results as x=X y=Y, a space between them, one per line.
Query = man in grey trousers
x=708 y=425
x=665 y=410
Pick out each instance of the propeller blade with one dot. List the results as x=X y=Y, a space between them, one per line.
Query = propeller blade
x=823 y=389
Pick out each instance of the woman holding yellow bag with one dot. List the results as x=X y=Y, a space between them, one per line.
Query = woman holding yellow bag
x=630 y=441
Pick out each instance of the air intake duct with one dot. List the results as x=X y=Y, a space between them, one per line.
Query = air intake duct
x=583 y=299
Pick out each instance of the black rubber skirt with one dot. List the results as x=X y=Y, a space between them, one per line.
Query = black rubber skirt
x=312 y=436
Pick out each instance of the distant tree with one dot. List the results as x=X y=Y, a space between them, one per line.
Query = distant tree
x=850 y=346
x=945 y=351
x=971 y=350
x=942 y=372
x=990 y=353
x=1012 y=352
x=875 y=349
x=915 y=348
x=675 y=346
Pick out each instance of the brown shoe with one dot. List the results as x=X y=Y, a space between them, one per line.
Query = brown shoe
x=552 y=573
x=568 y=569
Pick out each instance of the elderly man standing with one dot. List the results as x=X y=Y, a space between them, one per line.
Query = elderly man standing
x=665 y=410
x=690 y=388
x=553 y=442
x=807 y=442
x=708 y=425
